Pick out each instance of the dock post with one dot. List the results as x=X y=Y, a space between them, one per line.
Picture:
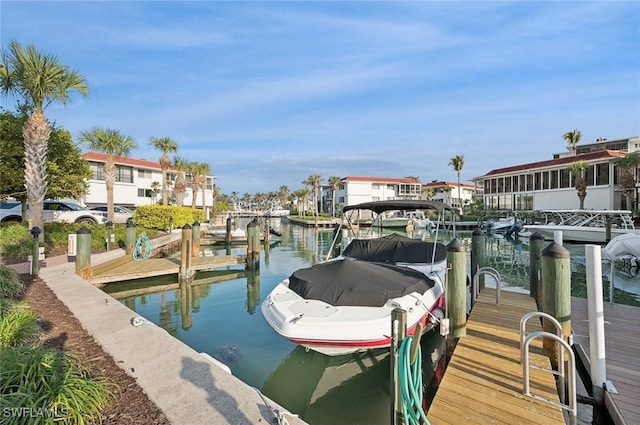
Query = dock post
x=556 y=295
x=185 y=304
x=595 y=304
x=267 y=234
x=477 y=255
x=185 y=252
x=455 y=293
x=227 y=235
x=253 y=245
x=536 y=242
x=398 y=333
x=131 y=238
x=195 y=239
x=83 y=253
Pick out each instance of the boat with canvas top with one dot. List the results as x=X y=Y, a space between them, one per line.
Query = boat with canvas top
x=344 y=304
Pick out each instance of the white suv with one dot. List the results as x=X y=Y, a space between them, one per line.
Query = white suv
x=54 y=211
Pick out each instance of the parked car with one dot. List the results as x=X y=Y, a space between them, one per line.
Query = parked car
x=120 y=214
x=54 y=211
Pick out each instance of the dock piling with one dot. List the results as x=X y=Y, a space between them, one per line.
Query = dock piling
x=185 y=249
x=83 y=253
x=253 y=246
x=595 y=304
x=398 y=333
x=195 y=239
x=477 y=254
x=456 y=292
x=131 y=238
x=536 y=242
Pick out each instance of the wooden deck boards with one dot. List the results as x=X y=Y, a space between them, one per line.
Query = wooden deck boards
x=119 y=270
x=483 y=381
x=622 y=344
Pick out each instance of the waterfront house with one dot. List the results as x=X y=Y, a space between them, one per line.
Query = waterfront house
x=451 y=193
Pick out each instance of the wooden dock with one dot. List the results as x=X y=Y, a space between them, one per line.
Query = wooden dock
x=622 y=345
x=483 y=380
x=124 y=268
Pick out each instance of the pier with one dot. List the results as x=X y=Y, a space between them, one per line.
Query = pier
x=483 y=380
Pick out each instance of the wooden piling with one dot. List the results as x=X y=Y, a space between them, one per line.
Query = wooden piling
x=456 y=295
x=536 y=243
x=253 y=246
x=227 y=235
x=398 y=333
x=556 y=294
x=195 y=239
x=185 y=250
x=477 y=255
x=131 y=238
x=83 y=253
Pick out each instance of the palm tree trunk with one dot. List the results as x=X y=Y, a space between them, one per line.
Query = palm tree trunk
x=36 y=133
x=165 y=192
x=110 y=179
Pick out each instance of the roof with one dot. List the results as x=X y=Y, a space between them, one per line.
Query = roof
x=586 y=157
x=446 y=183
x=400 y=204
x=139 y=163
x=379 y=179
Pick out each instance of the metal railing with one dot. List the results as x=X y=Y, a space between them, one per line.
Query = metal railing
x=475 y=288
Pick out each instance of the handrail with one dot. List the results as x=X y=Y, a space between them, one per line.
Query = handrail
x=572 y=406
x=475 y=290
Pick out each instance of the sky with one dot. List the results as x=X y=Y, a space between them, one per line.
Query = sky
x=268 y=93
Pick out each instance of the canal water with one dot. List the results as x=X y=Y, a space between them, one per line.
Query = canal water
x=220 y=314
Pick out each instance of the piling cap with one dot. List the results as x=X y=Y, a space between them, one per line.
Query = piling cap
x=130 y=223
x=455 y=246
x=83 y=231
x=555 y=250
x=186 y=226
x=252 y=223
x=196 y=223
x=536 y=236
x=478 y=232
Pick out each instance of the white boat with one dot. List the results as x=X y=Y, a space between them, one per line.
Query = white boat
x=623 y=248
x=501 y=225
x=391 y=219
x=585 y=225
x=344 y=304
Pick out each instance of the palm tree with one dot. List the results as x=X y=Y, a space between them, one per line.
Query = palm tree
x=181 y=165
x=166 y=145
x=577 y=170
x=314 y=181
x=457 y=162
x=283 y=195
x=628 y=165
x=198 y=172
x=334 y=181
x=203 y=171
x=39 y=80
x=155 y=189
x=113 y=144
x=572 y=138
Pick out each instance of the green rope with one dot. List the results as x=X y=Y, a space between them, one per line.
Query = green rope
x=411 y=384
x=143 y=248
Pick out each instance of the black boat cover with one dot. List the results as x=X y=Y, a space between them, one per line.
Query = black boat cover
x=350 y=282
x=395 y=248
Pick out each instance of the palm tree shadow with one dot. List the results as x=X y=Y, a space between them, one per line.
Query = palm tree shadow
x=199 y=374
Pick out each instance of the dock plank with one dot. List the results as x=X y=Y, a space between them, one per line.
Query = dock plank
x=483 y=381
x=622 y=345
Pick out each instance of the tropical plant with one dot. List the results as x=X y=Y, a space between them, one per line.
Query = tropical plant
x=457 y=162
x=628 y=165
x=572 y=138
x=334 y=181
x=577 y=169
x=113 y=144
x=199 y=172
x=52 y=382
x=155 y=189
x=38 y=79
x=283 y=195
x=314 y=181
x=180 y=165
x=166 y=145
x=18 y=323
x=10 y=284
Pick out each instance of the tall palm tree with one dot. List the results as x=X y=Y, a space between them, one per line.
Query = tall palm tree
x=628 y=165
x=572 y=138
x=203 y=171
x=155 y=189
x=38 y=80
x=577 y=169
x=334 y=181
x=314 y=181
x=283 y=195
x=457 y=162
x=166 y=145
x=113 y=144
x=181 y=165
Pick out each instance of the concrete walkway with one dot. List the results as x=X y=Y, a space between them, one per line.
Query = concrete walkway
x=187 y=387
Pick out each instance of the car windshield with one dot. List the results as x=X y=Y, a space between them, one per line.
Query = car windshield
x=75 y=207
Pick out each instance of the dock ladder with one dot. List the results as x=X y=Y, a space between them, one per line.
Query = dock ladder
x=475 y=288
x=570 y=375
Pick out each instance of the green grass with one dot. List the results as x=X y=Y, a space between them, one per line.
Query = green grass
x=10 y=284
x=18 y=324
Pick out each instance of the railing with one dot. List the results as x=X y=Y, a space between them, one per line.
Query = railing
x=525 y=341
x=475 y=289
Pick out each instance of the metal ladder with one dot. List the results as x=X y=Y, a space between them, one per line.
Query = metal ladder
x=570 y=375
x=475 y=288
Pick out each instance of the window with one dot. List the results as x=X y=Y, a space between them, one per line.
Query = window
x=537 y=181
x=564 y=178
x=376 y=186
x=124 y=174
x=144 y=174
x=602 y=174
x=145 y=193
x=553 y=179
x=588 y=175
x=209 y=183
x=523 y=183
x=545 y=180
x=507 y=184
x=98 y=170
x=529 y=182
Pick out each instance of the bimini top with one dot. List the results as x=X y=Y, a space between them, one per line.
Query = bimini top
x=351 y=282
x=395 y=248
x=400 y=204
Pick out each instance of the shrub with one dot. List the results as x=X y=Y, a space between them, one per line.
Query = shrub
x=18 y=324
x=51 y=386
x=10 y=284
x=166 y=217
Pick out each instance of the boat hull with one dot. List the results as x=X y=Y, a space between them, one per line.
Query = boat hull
x=578 y=233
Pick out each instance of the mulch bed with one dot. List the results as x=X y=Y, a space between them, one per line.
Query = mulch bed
x=131 y=405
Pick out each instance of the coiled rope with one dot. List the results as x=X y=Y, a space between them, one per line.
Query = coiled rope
x=143 y=248
x=411 y=384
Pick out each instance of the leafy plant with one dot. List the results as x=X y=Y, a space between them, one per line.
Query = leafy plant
x=51 y=387
x=10 y=284
x=18 y=324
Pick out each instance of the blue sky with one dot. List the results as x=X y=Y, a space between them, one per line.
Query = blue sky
x=268 y=93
